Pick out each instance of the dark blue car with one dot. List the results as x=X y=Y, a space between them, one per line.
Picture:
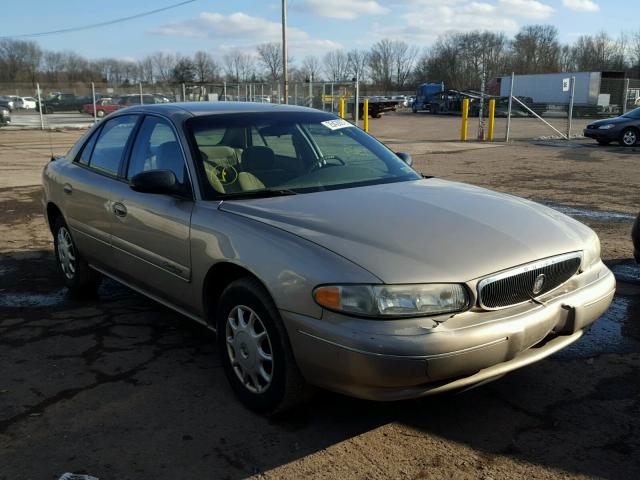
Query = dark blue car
x=624 y=129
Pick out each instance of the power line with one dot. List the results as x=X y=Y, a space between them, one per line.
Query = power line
x=101 y=24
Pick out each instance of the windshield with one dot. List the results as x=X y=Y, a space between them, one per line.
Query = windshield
x=635 y=114
x=293 y=152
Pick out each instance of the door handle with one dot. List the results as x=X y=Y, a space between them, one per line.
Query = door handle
x=119 y=209
x=68 y=189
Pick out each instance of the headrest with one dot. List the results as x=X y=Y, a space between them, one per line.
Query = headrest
x=258 y=158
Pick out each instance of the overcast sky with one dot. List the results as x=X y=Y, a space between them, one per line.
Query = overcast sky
x=315 y=26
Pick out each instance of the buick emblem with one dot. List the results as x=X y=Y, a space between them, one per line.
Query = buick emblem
x=538 y=283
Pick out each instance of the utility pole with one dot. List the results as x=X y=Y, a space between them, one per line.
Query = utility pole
x=285 y=75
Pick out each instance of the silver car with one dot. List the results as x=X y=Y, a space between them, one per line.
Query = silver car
x=319 y=256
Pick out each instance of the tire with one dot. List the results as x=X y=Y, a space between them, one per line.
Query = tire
x=246 y=310
x=415 y=110
x=604 y=142
x=629 y=137
x=100 y=113
x=78 y=277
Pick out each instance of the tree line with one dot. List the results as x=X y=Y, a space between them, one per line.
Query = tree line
x=460 y=60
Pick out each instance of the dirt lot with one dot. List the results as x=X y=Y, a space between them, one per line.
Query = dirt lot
x=120 y=387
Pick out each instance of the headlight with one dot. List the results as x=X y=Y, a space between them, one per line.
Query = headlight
x=606 y=127
x=393 y=300
x=5 y=112
x=591 y=252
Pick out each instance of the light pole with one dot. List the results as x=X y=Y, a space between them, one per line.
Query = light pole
x=285 y=76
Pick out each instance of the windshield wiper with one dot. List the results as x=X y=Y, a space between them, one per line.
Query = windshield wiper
x=267 y=192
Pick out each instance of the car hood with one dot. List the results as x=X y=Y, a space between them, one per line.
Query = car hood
x=427 y=230
x=614 y=121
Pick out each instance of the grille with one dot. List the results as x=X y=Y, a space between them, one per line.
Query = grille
x=526 y=282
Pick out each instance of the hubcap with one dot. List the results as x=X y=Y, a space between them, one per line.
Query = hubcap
x=629 y=138
x=249 y=349
x=66 y=253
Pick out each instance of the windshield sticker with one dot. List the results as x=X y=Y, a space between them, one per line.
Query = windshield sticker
x=336 y=124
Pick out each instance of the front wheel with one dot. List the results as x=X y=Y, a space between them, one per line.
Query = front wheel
x=255 y=351
x=76 y=274
x=629 y=137
x=100 y=113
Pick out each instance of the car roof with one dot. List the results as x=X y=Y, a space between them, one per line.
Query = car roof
x=212 y=108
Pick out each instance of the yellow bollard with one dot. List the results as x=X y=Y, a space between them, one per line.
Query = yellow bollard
x=465 y=119
x=365 y=115
x=492 y=118
x=341 y=107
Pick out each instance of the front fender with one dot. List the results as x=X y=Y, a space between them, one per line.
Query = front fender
x=289 y=266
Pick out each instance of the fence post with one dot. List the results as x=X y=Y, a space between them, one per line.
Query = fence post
x=465 y=120
x=262 y=93
x=93 y=96
x=40 y=106
x=331 y=97
x=569 y=120
x=141 y=97
x=626 y=96
x=506 y=138
x=311 y=91
x=365 y=115
x=224 y=90
x=295 y=94
x=238 y=95
x=481 y=131
x=341 y=108
x=492 y=119
x=356 y=103
x=279 y=98
x=184 y=93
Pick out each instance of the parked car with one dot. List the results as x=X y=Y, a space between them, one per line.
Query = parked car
x=5 y=114
x=624 y=129
x=104 y=106
x=26 y=103
x=635 y=238
x=318 y=255
x=63 y=102
x=8 y=102
x=128 y=100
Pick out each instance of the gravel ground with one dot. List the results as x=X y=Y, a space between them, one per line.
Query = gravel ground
x=120 y=387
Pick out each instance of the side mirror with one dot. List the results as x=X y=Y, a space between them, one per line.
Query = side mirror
x=405 y=157
x=157 y=181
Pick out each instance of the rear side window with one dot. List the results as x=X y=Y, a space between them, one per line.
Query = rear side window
x=108 y=150
x=85 y=156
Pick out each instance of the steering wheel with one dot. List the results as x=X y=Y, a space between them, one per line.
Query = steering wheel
x=322 y=163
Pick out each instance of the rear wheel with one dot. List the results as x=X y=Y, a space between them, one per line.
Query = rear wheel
x=100 y=113
x=76 y=274
x=629 y=137
x=255 y=351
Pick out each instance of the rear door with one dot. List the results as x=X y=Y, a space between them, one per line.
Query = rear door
x=87 y=187
x=151 y=232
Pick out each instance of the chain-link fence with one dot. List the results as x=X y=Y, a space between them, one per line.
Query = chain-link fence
x=561 y=105
x=78 y=105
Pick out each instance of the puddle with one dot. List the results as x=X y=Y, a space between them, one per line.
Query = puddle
x=617 y=331
x=627 y=272
x=21 y=300
x=591 y=214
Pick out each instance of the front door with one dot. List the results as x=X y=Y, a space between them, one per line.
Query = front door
x=151 y=232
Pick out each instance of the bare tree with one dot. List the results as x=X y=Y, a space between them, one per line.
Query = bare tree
x=238 y=66
x=598 y=52
x=357 y=64
x=381 y=64
x=536 y=49
x=336 y=65
x=163 y=64
x=205 y=67
x=146 y=70
x=403 y=58
x=310 y=68
x=270 y=56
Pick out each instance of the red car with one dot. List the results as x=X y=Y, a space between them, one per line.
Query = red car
x=104 y=106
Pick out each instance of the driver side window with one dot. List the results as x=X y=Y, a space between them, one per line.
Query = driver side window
x=156 y=148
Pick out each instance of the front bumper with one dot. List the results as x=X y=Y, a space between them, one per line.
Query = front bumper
x=610 y=135
x=399 y=359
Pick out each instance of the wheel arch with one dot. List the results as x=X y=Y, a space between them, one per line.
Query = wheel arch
x=53 y=212
x=218 y=277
